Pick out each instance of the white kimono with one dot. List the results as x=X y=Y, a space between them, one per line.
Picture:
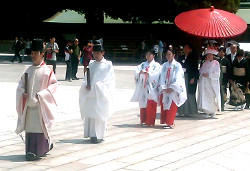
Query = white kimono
x=96 y=104
x=36 y=115
x=146 y=85
x=172 y=76
x=209 y=99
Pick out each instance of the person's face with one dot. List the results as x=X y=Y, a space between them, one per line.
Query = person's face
x=76 y=42
x=149 y=56
x=240 y=57
x=186 y=50
x=233 y=49
x=97 y=55
x=221 y=53
x=36 y=57
x=52 y=40
x=170 y=56
x=210 y=57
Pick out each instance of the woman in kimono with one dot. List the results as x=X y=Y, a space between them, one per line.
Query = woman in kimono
x=35 y=104
x=173 y=89
x=209 y=98
x=146 y=92
x=247 y=92
x=240 y=77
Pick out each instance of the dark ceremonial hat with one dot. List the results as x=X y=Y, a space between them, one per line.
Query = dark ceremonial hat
x=97 y=45
x=37 y=45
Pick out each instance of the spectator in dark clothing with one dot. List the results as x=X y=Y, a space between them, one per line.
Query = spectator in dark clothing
x=17 y=47
x=189 y=62
x=75 y=57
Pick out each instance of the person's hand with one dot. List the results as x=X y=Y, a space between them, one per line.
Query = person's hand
x=205 y=74
x=88 y=87
x=25 y=96
x=168 y=90
x=231 y=82
x=192 y=81
x=143 y=72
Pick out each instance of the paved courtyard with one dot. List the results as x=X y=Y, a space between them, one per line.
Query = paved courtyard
x=194 y=144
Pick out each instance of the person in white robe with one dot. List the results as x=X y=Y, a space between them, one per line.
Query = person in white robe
x=209 y=98
x=96 y=99
x=146 y=91
x=172 y=89
x=36 y=105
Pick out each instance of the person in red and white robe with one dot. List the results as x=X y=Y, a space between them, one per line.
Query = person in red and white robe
x=146 y=92
x=36 y=106
x=172 y=89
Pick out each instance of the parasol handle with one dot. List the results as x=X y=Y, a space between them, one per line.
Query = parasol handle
x=26 y=83
x=88 y=76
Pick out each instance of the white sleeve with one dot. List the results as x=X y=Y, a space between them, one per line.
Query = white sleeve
x=162 y=81
x=215 y=74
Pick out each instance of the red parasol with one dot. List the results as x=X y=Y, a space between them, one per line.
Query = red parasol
x=210 y=23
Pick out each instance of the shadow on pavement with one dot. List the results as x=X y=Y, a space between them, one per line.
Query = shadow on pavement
x=75 y=141
x=128 y=126
x=13 y=158
x=138 y=126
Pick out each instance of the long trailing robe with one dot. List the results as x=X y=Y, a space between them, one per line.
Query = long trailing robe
x=43 y=97
x=98 y=101
x=209 y=99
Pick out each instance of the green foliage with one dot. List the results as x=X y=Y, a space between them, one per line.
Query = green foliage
x=165 y=12
x=145 y=12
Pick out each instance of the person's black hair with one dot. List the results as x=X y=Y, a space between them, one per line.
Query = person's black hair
x=189 y=45
x=222 y=48
x=240 y=53
x=173 y=51
x=151 y=50
x=247 y=54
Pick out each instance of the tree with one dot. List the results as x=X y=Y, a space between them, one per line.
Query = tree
x=146 y=13
x=149 y=13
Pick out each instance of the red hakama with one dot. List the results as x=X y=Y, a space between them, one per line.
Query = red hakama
x=168 y=116
x=148 y=114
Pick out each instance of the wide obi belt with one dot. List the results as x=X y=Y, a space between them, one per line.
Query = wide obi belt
x=239 y=71
x=224 y=69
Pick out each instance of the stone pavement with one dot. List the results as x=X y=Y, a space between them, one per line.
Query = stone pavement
x=194 y=144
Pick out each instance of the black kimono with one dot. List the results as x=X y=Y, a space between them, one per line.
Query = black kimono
x=224 y=79
x=225 y=67
x=241 y=78
x=190 y=66
x=248 y=95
